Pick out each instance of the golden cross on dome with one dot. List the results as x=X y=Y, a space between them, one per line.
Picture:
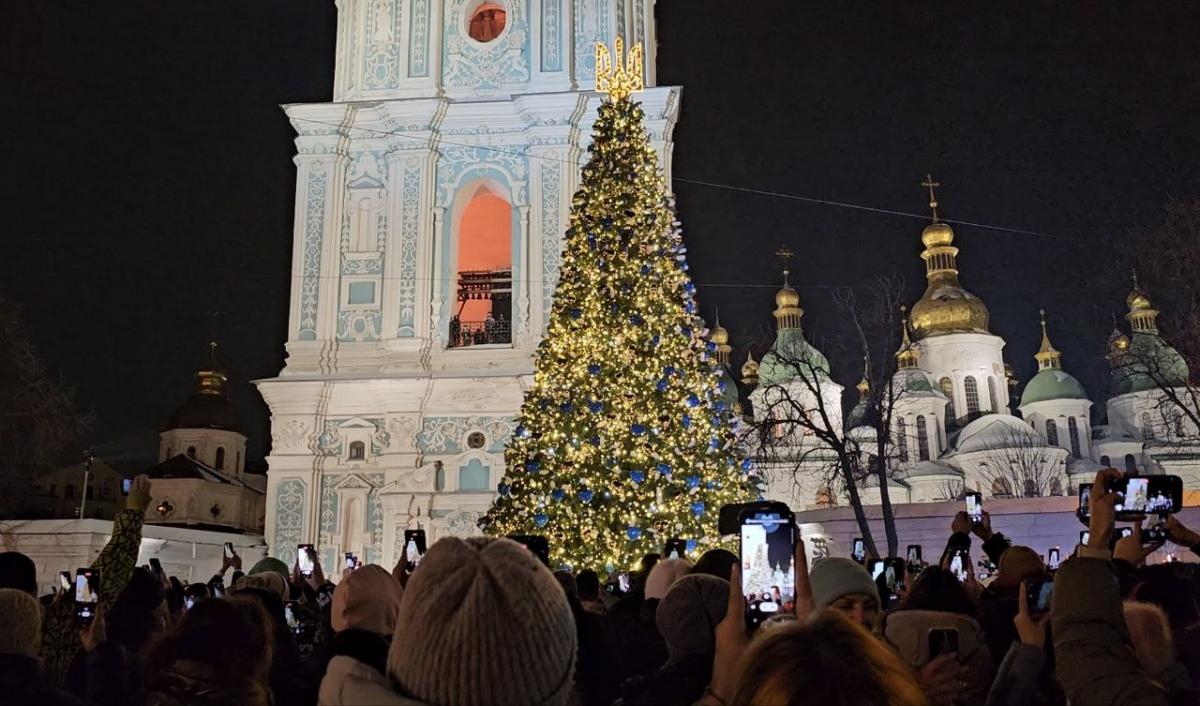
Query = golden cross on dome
x=930 y=184
x=785 y=253
x=619 y=75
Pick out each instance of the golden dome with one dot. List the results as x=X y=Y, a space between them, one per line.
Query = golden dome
x=948 y=309
x=1137 y=301
x=750 y=370
x=937 y=235
x=787 y=297
x=719 y=335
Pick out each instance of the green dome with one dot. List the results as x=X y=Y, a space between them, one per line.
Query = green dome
x=913 y=381
x=1052 y=384
x=1148 y=351
x=789 y=358
x=857 y=416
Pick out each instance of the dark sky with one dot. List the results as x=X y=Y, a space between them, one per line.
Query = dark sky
x=148 y=177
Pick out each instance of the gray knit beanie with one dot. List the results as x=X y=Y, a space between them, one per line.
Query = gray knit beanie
x=482 y=621
x=20 y=623
x=834 y=577
x=689 y=613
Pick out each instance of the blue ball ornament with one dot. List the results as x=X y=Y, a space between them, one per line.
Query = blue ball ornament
x=594 y=369
x=693 y=481
x=686 y=421
x=595 y=407
x=504 y=489
x=644 y=269
x=710 y=347
x=747 y=464
x=693 y=400
x=637 y=476
x=532 y=466
x=720 y=405
x=685 y=331
x=637 y=429
x=697 y=508
x=636 y=320
x=575 y=312
x=558 y=494
x=565 y=407
x=541 y=519
x=586 y=495
x=655 y=340
x=521 y=432
x=594 y=440
x=634 y=533
x=661 y=386
x=714 y=444
x=664 y=469
x=690 y=307
x=691 y=545
x=668 y=370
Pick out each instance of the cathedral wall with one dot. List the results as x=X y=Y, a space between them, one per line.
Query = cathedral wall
x=959 y=356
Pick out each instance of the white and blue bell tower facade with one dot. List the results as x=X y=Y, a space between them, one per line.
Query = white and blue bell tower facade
x=432 y=195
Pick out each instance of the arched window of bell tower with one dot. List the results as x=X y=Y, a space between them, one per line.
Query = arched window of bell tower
x=483 y=278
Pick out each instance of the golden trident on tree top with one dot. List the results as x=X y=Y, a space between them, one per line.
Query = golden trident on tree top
x=622 y=76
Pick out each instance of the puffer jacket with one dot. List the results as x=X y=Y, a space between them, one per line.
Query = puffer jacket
x=907 y=631
x=192 y=684
x=349 y=682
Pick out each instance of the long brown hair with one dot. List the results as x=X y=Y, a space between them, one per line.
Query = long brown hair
x=830 y=661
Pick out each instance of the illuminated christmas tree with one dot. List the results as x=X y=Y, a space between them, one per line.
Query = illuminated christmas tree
x=623 y=440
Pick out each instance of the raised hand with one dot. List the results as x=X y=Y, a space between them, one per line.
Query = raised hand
x=1031 y=631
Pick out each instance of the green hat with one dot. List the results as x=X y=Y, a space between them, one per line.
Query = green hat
x=834 y=577
x=271 y=564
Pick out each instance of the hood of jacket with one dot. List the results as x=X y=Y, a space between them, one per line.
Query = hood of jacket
x=349 y=682
x=907 y=631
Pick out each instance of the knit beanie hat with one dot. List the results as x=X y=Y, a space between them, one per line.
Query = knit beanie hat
x=716 y=562
x=367 y=598
x=271 y=564
x=689 y=613
x=664 y=574
x=268 y=581
x=482 y=621
x=20 y=623
x=834 y=577
x=18 y=571
x=1017 y=563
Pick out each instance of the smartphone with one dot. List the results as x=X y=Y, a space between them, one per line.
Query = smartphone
x=156 y=567
x=414 y=548
x=64 y=582
x=942 y=641
x=217 y=588
x=1053 y=559
x=1038 y=595
x=893 y=575
x=1084 y=537
x=974 y=507
x=304 y=560
x=1147 y=495
x=676 y=549
x=351 y=561
x=768 y=541
x=87 y=594
x=960 y=563
x=289 y=615
x=1085 y=498
x=875 y=568
x=229 y=553
x=188 y=602
x=1123 y=532
x=914 y=553
x=1155 y=535
x=126 y=484
x=623 y=582
x=535 y=543
x=858 y=550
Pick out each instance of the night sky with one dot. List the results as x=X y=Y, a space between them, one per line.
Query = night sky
x=148 y=177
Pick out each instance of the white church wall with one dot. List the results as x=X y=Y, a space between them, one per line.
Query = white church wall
x=961 y=355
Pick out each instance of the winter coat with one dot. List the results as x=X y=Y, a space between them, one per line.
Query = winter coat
x=23 y=682
x=1096 y=664
x=633 y=627
x=1016 y=682
x=679 y=683
x=908 y=633
x=356 y=668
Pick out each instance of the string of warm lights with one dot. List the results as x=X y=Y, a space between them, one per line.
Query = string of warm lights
x=623 y=439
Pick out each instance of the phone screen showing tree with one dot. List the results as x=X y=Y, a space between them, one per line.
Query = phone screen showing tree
x=768 y=573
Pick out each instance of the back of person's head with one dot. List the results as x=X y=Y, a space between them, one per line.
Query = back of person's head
x=1150 y=635
x=587 y=584
x=20 y=623
x=665 y=573
x=1167 y=587
x=264 y=581
x=716 y=562
x=936 y=588
x=648 y=562
x=271 y=565
x=689 y=613
x=220 y=640
x=483 y=622
x=18 y=571
x=368 y=598
x=567 y=580
x=829 y=660
x=137 y=614
x=1018 y=563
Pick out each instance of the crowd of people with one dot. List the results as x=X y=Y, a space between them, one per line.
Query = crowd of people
x=484 y=621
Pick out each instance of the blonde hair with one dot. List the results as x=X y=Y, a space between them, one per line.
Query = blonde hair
x=1150 y=634
x=829 y=660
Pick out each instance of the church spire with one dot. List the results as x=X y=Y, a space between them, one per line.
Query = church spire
x=1047 y=356
x=907 y=357
x=787 y=302
x=864 y=385
x=1142 y=316
x=720 y=337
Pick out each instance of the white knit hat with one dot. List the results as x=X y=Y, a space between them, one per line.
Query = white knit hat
x=20 y=623
x=482 y=621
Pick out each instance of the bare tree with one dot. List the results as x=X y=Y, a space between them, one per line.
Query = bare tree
x=39 y=422
x=1168 y=253
x=1022 y=465
x=797 y=433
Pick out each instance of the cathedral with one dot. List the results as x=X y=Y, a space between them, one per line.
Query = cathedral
x=951 y=429
x=432 y=194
